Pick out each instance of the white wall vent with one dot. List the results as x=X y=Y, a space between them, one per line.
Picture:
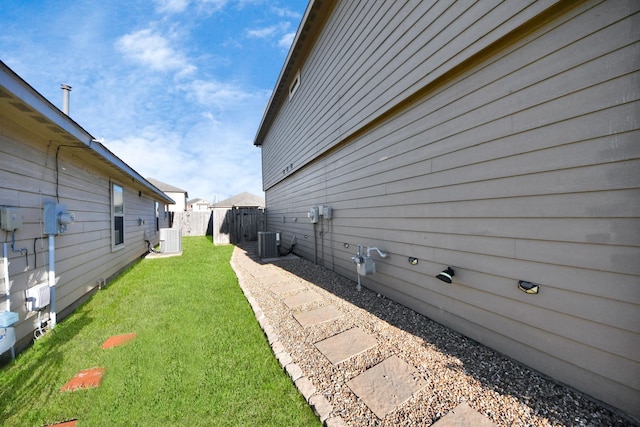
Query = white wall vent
x=267 y=244
x=38 y=297
x=170 y=240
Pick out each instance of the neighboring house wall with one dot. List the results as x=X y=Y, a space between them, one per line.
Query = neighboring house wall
x=39 y=163
x=198 y=205
x=181 y=201
x=500 y=138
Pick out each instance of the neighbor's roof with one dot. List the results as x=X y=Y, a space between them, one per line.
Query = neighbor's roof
x=166 y=187
x=309 y=29
x=21 y=103
x=244 y=200
x=197 y=200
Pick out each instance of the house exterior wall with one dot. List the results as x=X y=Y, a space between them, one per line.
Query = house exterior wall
x=30 y=175
x=500 y=138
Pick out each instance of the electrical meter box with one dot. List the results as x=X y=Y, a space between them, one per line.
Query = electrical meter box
x=56 y=218
x=10 y=218
x=313 y=215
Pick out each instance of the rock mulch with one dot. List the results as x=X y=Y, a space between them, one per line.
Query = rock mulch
x=454 y=375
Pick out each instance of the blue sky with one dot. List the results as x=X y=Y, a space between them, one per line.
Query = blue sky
x=175 y=88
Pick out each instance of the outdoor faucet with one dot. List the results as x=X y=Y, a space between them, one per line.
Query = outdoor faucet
x=382 y=254
x=358 y=259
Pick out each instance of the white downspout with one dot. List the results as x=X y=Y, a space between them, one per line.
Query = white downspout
x=52 y=281
x=10 y=333
x=5 y=274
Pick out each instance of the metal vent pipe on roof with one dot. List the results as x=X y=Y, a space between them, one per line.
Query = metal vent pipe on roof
x=66 y=89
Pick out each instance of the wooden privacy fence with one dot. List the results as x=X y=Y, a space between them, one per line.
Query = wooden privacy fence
x=237 y=225
x=226 y=225
x=193 y=223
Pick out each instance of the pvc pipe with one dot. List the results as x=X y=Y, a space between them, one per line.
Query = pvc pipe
x=5 y=273
x=52 y=281
x=10 y=333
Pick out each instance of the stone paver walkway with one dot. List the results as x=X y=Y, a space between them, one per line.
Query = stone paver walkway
x=87 y=378
x=323 y=314
x=463 y=416
x=382 y=388
x=301 y=298
x=345 y=345
x=387 y=385
x=118 y=340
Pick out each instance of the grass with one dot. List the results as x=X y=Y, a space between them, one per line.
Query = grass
x=199 y=358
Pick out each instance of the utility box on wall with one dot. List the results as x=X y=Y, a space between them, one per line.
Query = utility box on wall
x=56 y=218
x=10 y=218
x=38 y=297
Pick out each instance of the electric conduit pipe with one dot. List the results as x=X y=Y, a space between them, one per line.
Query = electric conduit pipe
x=52 y=281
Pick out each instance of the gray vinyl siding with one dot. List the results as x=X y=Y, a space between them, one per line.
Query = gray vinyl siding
x=366 y=74
x=523 y=163
x=83 y=255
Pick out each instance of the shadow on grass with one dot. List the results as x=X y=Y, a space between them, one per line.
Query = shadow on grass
x=23 y=380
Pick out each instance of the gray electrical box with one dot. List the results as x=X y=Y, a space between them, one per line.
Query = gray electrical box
x=56 y=218
x=10 y=218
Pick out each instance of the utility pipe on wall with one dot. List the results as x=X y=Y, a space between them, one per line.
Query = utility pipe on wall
x=5 y=274
x=10 y=334
x=52 y=281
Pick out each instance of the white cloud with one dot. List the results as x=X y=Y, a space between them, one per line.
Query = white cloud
x=187 y=126
x=179 y=6
x=263 y=33
x=172 y=6
x=212 y=160
x=225 y=96
x=286 y=40
x=286 y=13
x=153 y=50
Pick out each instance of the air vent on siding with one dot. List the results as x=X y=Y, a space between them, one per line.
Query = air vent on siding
x=294 y=85
x=170 y=240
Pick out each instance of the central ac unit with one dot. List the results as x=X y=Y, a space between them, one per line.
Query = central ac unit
x=267 y=244
x=170 y=240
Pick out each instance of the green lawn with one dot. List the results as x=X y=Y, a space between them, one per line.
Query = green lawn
x=199 y=359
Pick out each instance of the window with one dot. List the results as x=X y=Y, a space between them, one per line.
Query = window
x=294 y=85
x=157 y=216
x=117 y=201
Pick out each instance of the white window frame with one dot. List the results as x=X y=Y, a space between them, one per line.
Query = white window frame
x=115 y=245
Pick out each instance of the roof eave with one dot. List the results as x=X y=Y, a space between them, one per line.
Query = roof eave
x=22 y=90
x=312 y=21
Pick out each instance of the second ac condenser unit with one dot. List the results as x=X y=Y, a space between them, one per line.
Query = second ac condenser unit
x=267 y=244
x=170 y=240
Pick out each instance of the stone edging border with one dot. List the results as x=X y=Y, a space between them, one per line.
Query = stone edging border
x=320 y=405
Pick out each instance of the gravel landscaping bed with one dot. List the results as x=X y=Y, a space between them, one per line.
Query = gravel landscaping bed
x=456 y=369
